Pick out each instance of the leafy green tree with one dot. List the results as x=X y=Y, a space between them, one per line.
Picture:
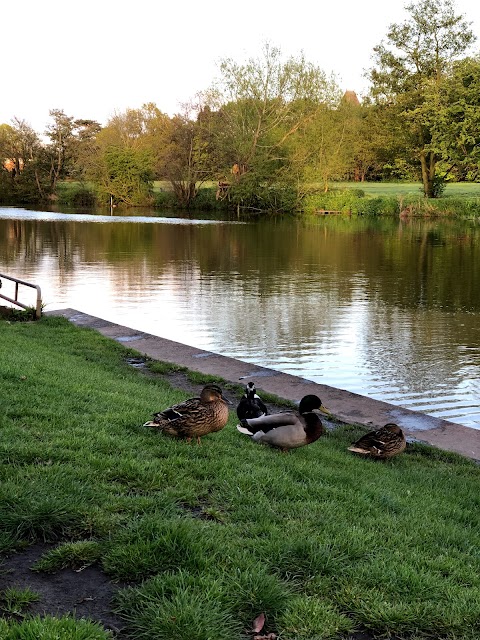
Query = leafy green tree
x=124 y=176
x=7 y=163
x=382 y=146
x=122 y=166
x=155 y=132
x=24 y=175
x=71 y=148
x=124 y=129
x=83 y=147
x=262 y=105
x=20 y=144
x=411 y=67
x=61 y=135
x=184 y=158
x=456 y=119
x=330 y=142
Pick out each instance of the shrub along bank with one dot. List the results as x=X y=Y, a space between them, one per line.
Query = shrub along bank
x=460 y=199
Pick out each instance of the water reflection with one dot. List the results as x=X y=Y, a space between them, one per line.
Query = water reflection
x=383 y=308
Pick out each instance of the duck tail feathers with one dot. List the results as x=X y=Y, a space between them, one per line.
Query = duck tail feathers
x=157 y=424
x=244 y=430
x=358 y=450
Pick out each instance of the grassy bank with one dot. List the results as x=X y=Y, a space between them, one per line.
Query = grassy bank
x=404 y=199
x=207 y=537
x=362 y=198
x=398 y=189
x=374 y=198
x=379 y=198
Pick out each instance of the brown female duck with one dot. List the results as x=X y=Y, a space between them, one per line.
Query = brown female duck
x=195 y=417
x=288 y=429
x=383 y=443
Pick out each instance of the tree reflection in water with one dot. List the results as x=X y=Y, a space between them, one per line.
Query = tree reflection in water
x=381 y=307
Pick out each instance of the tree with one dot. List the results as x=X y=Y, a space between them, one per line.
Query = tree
x=122 y=175
x=71 y=149
x=124 y=129
x=456 y=119
x=61 y=135
x=155 y=132
x=187 y=156
x=8 y=164
x=411 y=67
x=142 y=136
x=331 y=141
x=84 y=146
x=25 y=173
x=261 y=105
x=122 y=164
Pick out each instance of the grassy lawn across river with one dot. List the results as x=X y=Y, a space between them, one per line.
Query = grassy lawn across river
x=452 y=189
x=201 y=540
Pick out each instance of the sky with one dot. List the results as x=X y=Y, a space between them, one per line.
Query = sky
x=95 y=58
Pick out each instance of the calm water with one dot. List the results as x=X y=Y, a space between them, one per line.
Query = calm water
x=384 y=308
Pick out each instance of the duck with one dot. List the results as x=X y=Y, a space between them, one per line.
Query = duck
x=251 y=405
x=195 y=417
x=288 y=429
x=382 y=443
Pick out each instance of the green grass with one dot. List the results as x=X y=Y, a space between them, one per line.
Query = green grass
x=163 y=368
x=51 y=628
x=460 y=199
x=196 y=377
x=391 y=199
x=16 y=601
x=322 y=542
x=452 y=189
x=75 y=555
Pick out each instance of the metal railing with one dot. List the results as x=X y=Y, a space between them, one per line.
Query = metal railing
x=38 y=308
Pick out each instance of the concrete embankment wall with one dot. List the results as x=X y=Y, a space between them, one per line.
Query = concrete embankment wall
x=345 y=406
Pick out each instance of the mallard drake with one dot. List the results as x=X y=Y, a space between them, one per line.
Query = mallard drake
x=288 y=429
x=195 y=417
x=251 y=405
x=383 y=443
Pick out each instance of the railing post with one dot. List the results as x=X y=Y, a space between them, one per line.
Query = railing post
x=17 y=281
x=38 y=311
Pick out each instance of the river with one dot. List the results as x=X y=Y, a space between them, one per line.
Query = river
x=383 y=307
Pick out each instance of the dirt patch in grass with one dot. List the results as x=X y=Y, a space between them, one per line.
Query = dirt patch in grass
x=86 y=594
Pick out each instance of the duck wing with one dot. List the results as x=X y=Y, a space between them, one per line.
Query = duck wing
x=287 y=436
x=174 y=414
x=269 y=422
x=261 y=405
x=248 y=408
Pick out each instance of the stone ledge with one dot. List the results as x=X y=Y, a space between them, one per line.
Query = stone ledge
x=346 y=406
